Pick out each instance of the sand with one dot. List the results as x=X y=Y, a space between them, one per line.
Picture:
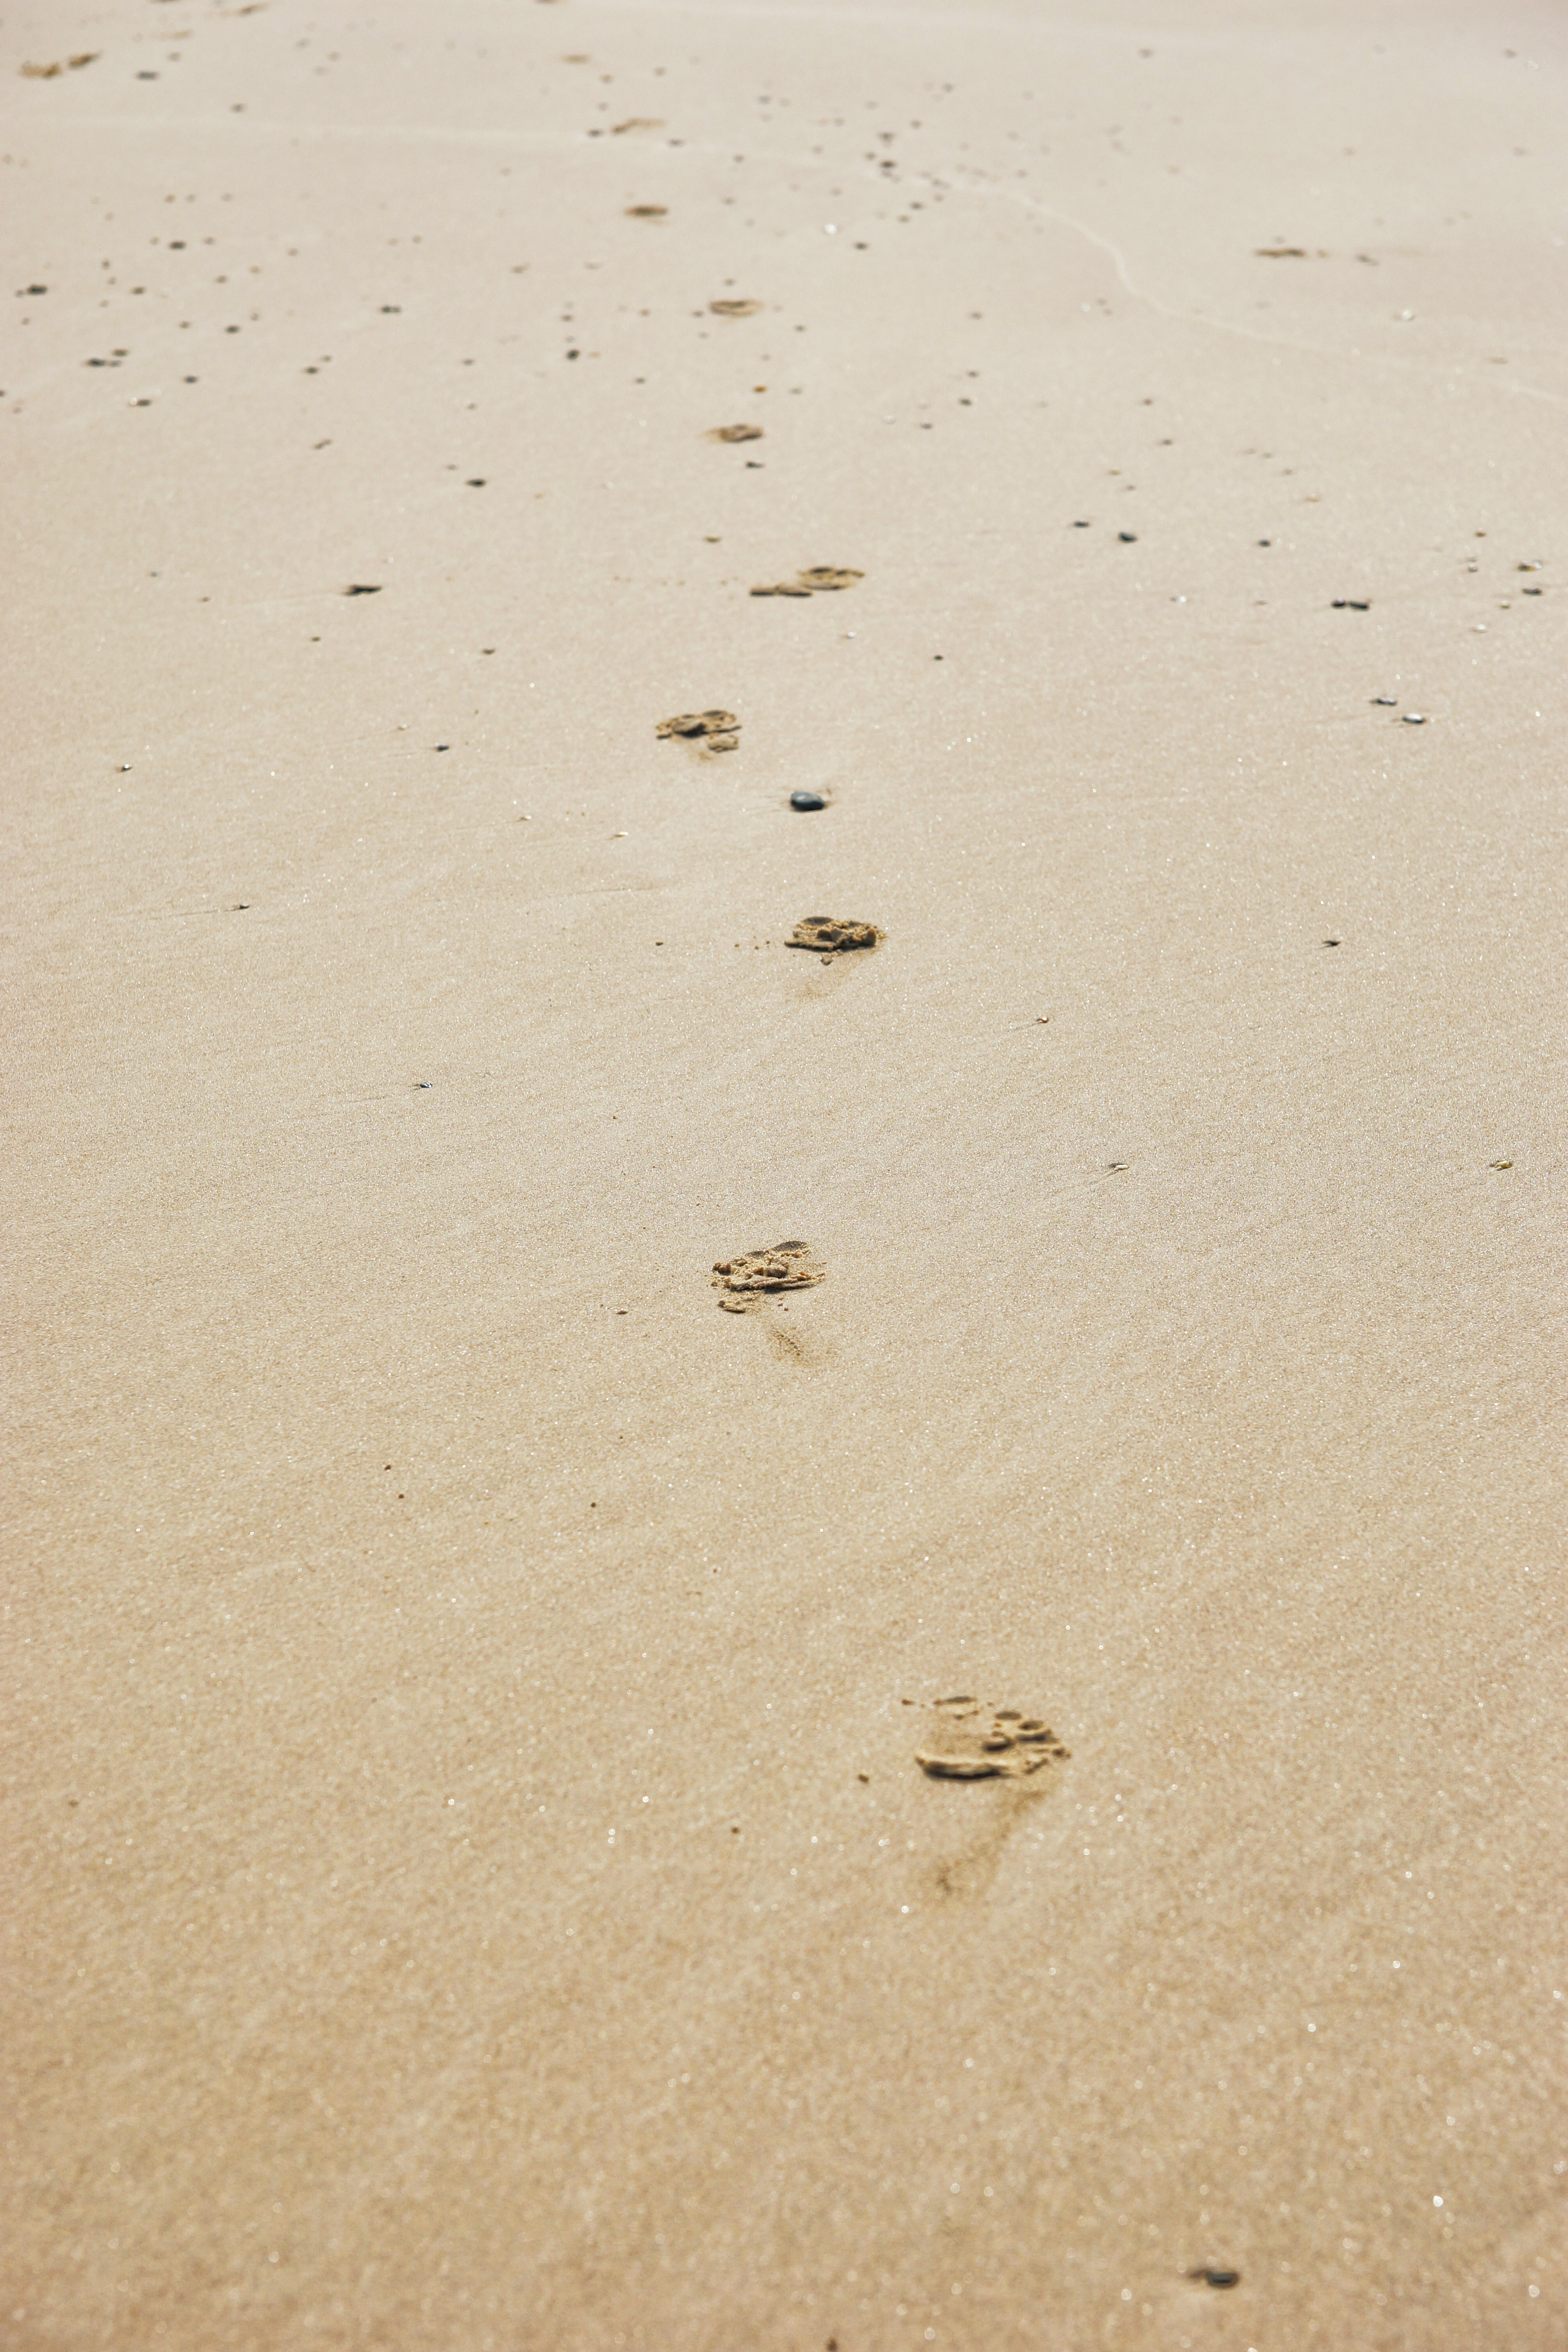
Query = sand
x=472 y=1884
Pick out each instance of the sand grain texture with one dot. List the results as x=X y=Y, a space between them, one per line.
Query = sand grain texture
x=472 y=1888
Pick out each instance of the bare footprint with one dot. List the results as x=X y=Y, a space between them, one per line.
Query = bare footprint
x=708 y=730
x=751 y=1285
x=967 y=1741
x=830 y=936
x=743 y=1283
x=816 y=581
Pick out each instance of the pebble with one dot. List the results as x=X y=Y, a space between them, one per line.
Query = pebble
x=806 y=801
x=1414 y=718
x=1386 y=701
x=1223 y=2278
x=1128 y=537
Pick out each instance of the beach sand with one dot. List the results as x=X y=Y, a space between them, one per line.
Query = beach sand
x=472 y=1886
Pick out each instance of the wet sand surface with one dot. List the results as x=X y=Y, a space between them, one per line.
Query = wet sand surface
x=473 y=1883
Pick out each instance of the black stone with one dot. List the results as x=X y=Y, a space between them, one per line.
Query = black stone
x=806 y=801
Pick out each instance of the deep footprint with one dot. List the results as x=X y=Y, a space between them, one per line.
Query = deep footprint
x=967 y=1741
x=743 y=1283
x=708 y=730
x=829 y=935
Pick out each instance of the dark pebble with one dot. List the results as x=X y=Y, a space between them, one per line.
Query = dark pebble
x=1386 y=701
x=1331 y=943
x=1080 y=526
x=363 y=588
x=1223 y=2278
x=806 y=801
x=1128 y=537
x=476 y=482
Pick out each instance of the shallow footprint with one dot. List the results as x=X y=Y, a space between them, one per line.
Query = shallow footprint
x=971 y=1871
x=816 y=581
x=968 y=1741
x=698 y=722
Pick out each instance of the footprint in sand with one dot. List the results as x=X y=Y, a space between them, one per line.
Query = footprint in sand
x=816 y=581
x=744 y=1282
x=750 y=1284
x=710 y=731
x=968 y=1741
x=828 y=936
